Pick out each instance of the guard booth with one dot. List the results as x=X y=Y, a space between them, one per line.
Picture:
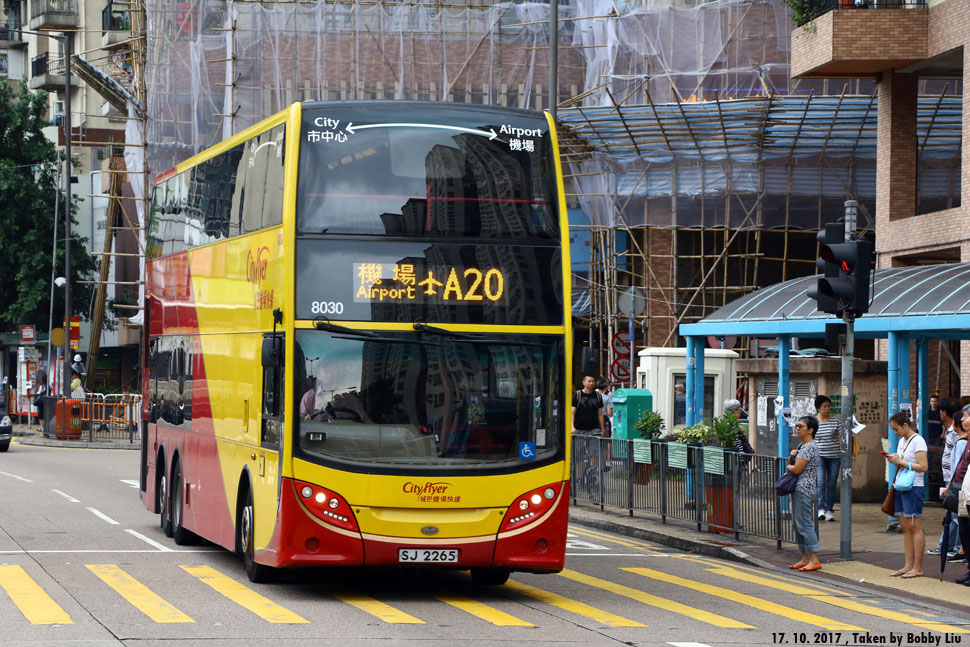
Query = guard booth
x=663 y=373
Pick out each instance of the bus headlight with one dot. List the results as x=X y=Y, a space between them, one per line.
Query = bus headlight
x=326 y=505
x=307 y=491
x=542 y=500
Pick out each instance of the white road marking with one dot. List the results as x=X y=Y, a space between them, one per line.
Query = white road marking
x=688 y=644
x=150 y=542
x=617 y=554
x=98 y=513
x=65 y=495
x=14 y=476
x=583 y=545
x=129 y=483
x=106 y=551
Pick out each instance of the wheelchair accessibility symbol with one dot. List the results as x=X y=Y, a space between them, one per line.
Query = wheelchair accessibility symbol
x=527 y=451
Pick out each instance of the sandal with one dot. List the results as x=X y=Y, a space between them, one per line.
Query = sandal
x=898 y=573
x=908 y=576
x=813 y=567
x=798 y=565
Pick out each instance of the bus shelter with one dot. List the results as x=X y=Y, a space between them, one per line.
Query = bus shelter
x=908 y=304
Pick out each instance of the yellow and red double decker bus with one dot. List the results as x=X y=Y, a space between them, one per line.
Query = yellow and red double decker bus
x=358 y=326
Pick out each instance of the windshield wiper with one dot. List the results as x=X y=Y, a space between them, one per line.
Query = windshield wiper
x=322 y=324
x=388 y=340
x=420 y=326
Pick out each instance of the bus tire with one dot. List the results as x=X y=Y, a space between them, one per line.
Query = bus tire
x=4 y=446
x=490 y=576
x=161 y=492
x=181 y=536
x=256 y=572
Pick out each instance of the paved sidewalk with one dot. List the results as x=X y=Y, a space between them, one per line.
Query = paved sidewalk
x=32 y=435
x=875 y=552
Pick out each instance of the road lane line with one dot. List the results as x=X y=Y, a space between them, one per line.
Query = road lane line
x=98 y=513
x=580 y=608
x=655 y=601
x=38 y=607
x=139 y=595
x=244 y=596
x=150 y=542
x=65 y=495
x=763 y=573
x=837 y=601
x=748 y=600
x=14 y=476
x=130 y=483
x=481 y=610
x=385 y=612
x=620 y=542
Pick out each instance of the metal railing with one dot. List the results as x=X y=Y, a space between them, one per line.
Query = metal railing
x=719 y=490
x=812 y=9
x=41 y=7
x=95 y=417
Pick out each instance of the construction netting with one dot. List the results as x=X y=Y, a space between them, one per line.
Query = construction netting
x=215 y=67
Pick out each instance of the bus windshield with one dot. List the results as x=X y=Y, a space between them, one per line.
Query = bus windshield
x=426 y=171
x=426 y=400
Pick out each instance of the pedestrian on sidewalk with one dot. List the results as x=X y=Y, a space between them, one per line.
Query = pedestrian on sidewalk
x=806 y=490
x=950 y=415
x=587 y=419
x=963 y=505
x=829 y=440
x=908 y=506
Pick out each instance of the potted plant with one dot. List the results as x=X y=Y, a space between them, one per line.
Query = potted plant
x=677 y=454
x=650 y=426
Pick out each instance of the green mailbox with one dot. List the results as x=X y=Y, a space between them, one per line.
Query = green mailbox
x=629 y=406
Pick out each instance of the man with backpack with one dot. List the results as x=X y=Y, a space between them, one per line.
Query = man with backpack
x=587 y=420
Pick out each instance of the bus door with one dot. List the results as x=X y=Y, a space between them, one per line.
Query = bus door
x=271 y=413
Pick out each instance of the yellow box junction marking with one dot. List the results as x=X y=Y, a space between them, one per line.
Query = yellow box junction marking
x=33 y=602
x=655 y=601
x=385 y=612
x=748 y=600
x=482 y=610
x=580 y=608
x=244 y=596
x=139 y=595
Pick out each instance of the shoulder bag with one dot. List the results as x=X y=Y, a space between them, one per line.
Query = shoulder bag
x=904 y=477
x=786 y=483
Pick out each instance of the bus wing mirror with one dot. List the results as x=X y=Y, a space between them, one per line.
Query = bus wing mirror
x=272 y=352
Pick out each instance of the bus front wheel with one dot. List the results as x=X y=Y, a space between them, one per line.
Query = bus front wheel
x=490 y=576
x=256 y=572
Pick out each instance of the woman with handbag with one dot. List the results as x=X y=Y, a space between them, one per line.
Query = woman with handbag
x=803 y=498
x=908 y=499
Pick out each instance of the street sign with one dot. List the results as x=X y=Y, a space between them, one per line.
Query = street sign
x=631 y=301
x=621 y=343
x=620 y=369
x=27 y=334
x=75 y=332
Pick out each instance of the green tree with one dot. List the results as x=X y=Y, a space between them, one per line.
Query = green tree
x=28 y=186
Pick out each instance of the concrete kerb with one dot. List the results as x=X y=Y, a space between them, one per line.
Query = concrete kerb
x=40 y=441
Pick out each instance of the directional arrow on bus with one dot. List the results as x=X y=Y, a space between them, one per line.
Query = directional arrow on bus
x=490 y=133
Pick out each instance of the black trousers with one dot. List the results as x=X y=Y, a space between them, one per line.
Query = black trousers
x=963 y=525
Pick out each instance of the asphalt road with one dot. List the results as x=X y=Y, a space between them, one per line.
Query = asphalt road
x=83 y=562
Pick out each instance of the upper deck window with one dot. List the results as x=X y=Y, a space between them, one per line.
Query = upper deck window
x=426 y=171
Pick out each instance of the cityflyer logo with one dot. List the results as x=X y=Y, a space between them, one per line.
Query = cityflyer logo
x=256 y=273
x=431 y=492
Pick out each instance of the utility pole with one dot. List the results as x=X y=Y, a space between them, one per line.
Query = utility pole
x=848 y=397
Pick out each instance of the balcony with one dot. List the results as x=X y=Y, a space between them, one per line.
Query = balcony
x=10 y=36
x=54 y=15
x=115 y=26
x=48 y=74
x=853 y=38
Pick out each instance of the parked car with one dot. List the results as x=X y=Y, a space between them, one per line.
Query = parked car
x=6 y=433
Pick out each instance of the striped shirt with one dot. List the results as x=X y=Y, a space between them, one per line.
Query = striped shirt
x=827 y=438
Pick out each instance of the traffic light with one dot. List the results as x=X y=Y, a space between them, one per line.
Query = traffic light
x=833 y=233
x=847 y=268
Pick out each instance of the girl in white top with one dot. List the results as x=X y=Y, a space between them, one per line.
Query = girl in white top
x=910 y=454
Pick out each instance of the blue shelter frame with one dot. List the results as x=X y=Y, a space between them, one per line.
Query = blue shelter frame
x=909 y=304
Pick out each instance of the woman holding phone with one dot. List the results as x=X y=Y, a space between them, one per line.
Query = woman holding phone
x=910 y=454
